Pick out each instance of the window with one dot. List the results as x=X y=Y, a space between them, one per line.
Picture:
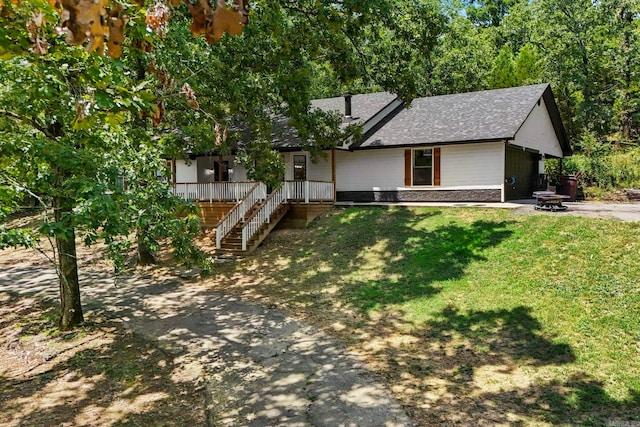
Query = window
x=423 y=167
x=299 y=167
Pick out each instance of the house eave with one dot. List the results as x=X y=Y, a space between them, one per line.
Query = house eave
x=435 y=144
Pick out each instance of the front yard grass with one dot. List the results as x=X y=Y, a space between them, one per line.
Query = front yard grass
x=472 y=317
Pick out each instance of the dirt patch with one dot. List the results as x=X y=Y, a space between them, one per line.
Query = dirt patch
x=98 y=375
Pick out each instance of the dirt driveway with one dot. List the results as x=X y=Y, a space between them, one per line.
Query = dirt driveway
x=261 y=368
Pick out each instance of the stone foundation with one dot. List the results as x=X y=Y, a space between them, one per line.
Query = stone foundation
x=420 y=196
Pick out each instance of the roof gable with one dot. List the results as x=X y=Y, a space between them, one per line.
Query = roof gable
x=477 y=116
x=491 y=115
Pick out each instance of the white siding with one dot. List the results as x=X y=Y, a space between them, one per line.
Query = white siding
x=381 y=170
x=537 y=132
x=239 y=172
x=288 y=166
x=319 y=171
x=186 y=171
x=472 y=164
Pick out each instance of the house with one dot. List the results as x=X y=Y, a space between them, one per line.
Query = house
x=484 y=146
x=487 y=146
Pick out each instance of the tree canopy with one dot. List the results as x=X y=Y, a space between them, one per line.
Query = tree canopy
x=95 y=94
x=84 y=134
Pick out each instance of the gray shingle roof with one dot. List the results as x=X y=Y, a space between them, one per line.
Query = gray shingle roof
x=476 y=116
x=363 y=107
x=489 y=115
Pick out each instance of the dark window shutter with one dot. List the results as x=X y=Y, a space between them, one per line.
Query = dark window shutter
x=407 y=168
x=436 y=166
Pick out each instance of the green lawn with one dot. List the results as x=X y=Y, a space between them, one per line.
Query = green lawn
x=472 y=316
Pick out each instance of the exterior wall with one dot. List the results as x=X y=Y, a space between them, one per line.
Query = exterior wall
x=186 y=171
x=239 y=172
x=365 y=170
x=472 y=164
x=206 y=164
x=195 y=170
x=537 y=133
x=470 y=172
x=319 y=171
x=199 y=170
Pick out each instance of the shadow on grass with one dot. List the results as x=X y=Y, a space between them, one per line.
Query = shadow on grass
x=377 y=256
x=422 y=259
x=483 y=367
x=476 y=368
x=514 y=332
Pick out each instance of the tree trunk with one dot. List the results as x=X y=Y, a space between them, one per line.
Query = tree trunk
x=70 y=306
x=145 y=256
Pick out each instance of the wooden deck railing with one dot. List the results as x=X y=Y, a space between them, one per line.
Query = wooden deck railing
x=213 y=191
x=234 y=216
x=302 y=191
x=262 y=215
x=248 y=194
x=310 y=191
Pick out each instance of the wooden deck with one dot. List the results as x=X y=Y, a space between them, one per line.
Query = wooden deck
x=298 y=216
x=301 y=214
x=243 y=213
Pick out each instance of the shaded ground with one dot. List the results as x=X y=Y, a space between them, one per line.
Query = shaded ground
x=261 y=368
x=100 y=375
x=355 y=275
x=479 y=358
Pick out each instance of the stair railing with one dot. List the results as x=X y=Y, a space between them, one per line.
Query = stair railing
x=263 y=215
x=239 y=211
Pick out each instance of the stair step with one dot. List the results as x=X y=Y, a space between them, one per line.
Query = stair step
x=229 y=245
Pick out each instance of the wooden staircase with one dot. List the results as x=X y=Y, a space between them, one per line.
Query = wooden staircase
x=232 y=242
x=251 y=220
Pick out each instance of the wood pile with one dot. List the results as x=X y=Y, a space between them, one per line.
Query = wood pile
x=633 y=194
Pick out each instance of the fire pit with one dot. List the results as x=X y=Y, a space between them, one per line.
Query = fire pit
x=550 y=201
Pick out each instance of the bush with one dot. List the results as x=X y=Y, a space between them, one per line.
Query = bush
x=604 y=166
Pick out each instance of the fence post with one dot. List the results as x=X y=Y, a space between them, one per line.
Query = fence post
x=306 y=191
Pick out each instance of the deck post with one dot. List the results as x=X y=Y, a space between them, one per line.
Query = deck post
x=211 y=192
x=306 y=191
x=244 y=238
